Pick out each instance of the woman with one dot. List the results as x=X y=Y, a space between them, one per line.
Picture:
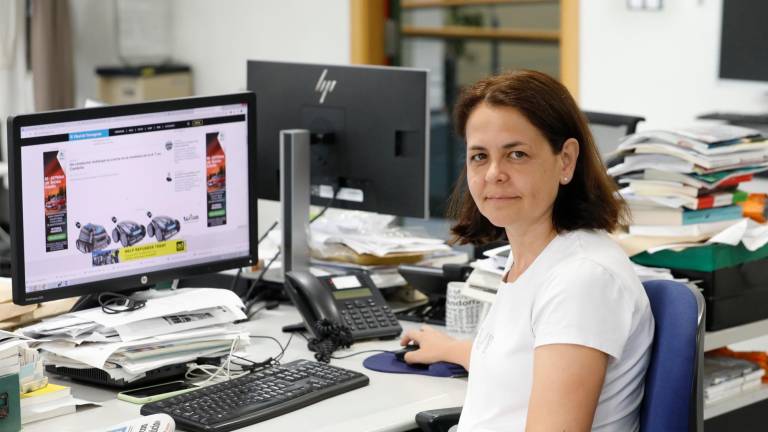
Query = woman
x=566 y=344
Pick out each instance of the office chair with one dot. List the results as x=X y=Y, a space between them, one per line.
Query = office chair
x=608 y=129
x=675 y=368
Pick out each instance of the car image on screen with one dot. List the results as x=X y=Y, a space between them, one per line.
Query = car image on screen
x=128 y=233
x=92 y=238
x=163 y=228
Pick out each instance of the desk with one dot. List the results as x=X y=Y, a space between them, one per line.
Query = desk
x=389 y=403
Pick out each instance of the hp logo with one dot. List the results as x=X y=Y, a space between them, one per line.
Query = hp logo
x=324 y=86
x=144 y=280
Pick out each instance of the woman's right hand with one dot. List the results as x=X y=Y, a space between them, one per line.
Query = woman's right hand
x=434 y=346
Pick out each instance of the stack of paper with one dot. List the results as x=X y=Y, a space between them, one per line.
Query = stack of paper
x=9 y=356
x=50 y=401
x=176 y=328
x=683 y=183
x=368 y=234
x=485 y=279
x=727 y=376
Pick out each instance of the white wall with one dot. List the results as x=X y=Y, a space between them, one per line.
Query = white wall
x=661 y=65
x=217 y=37
x=93 y=43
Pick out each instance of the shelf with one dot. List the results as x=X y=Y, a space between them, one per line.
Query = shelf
x=419 y=4
x=735 y=402
x=721 y=338
x=447 y=32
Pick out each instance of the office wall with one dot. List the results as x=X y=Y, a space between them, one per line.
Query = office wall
x=217 y=37
x=93 y=43
x=662 y=64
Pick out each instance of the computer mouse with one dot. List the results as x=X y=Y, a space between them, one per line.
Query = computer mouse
x=400 y=355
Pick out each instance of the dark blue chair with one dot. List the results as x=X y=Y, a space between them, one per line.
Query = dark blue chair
x=673 y=399
x=676 y=360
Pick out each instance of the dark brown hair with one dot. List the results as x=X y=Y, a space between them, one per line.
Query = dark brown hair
x=589 y=201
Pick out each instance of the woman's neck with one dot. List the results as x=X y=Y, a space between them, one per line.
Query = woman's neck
x=527 y=243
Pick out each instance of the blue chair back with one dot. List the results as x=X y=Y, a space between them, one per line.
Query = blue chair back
x=673 y=398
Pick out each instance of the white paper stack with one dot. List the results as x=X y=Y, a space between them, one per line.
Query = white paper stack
x=177 y=328
x=50 y=401
x=485 y=279
x=369 y=233
x=727 y=376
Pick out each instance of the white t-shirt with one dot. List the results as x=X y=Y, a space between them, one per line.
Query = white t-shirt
x=580 y=290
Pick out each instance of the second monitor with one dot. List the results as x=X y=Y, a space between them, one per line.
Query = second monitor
x=369 y=126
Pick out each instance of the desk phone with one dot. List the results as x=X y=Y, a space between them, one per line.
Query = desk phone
x=352 y=300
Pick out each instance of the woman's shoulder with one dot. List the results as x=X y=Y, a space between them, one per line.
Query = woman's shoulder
x=589 y=252
x=593 y=245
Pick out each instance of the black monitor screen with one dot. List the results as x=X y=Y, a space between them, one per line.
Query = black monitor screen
x=370 y=127
x=743 y=39
x=122 y=197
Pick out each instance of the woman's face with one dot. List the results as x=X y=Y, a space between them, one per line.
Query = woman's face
x=513 y=174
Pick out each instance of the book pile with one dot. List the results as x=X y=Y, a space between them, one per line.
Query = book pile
x=682 y=185
x=175 y=327
x=485 y=279
x=726 y=376
x=49 y=401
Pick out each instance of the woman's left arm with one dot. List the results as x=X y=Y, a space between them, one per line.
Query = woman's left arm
x=567 y=380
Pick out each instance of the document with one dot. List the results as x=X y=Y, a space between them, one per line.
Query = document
x=179 y=322
x=185 y=300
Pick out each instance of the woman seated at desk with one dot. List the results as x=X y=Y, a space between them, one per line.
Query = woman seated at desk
x=567 y=342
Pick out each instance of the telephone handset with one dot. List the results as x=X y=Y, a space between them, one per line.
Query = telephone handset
x=352 y=300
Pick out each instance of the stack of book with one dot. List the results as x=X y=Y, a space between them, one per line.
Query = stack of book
x=727 y=376
x=485 y=279
x=683 y=183
x=50 y=401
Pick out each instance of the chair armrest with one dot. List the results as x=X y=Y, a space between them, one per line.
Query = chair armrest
x=440 y=420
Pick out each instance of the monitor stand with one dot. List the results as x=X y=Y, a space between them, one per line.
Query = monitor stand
x=295 y=198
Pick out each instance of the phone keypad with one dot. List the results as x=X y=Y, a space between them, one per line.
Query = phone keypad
x=366 y=314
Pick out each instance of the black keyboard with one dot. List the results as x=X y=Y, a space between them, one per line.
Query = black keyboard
x=257 y=396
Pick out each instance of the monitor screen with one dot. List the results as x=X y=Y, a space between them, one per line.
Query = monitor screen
x=370 y=127
x=126 y=196
x=742 y=41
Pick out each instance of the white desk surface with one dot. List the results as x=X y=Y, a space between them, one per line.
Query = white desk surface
x=389 y=403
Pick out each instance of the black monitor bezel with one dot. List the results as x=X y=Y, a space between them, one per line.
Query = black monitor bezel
x=15 y=123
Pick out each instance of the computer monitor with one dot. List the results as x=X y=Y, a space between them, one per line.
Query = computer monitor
x=122 y=197
x=369 y=126
x=742 y=41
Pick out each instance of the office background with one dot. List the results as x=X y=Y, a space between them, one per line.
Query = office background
x=660 y=64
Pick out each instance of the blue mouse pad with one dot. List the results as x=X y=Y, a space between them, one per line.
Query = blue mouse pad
x=386 y=362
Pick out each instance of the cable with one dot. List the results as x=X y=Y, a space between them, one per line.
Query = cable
x=358 y=353
x=240 y=270
x=328 y=205
x=236 y=279
x=263 y=236
x=213 y=371
x=260 y=278
x=282 y=348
